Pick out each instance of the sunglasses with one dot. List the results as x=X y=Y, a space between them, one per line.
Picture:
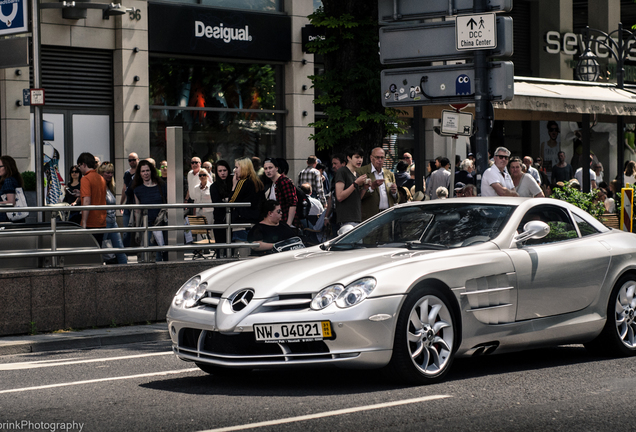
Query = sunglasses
x=279 y=211
x=75 y=172
x=503 y=157
x=554 y=129
x=194 y=162
x=203 y=175
x=132 y=160
x=1 y=166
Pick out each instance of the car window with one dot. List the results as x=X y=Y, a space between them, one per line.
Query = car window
x=584 y=226
x=430 y=225
x=561 y=226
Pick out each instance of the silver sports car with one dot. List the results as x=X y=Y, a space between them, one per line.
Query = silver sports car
x=416 y=286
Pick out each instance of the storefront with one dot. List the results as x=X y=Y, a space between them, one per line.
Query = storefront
x=219 y=75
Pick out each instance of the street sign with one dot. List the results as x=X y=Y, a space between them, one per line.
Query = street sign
x=391 y=11
x=37 y=96
x=14 y=17
x=440 y=85
x=476 y=32
x=436 y=42
x=456 y=123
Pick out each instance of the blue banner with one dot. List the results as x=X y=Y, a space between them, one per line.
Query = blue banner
x=13 y=17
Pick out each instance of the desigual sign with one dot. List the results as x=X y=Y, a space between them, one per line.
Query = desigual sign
x=201 y=31
x=572 y=43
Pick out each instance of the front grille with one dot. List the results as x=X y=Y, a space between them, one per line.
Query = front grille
x=189 y=338
x=240 y=344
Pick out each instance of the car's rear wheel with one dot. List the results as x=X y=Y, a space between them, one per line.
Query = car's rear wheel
x=619 y=334
x=424 y=338
x=221 y=371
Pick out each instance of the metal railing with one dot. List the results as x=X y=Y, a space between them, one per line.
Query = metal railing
x=144 y=228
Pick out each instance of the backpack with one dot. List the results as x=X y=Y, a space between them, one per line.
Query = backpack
x=303 y=206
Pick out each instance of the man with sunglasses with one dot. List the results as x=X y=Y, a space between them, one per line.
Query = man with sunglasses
x=496 y=181
x=193 y=177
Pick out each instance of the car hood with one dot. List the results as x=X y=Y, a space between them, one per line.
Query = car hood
x=308 y=270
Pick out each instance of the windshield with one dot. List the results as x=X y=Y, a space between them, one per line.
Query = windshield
x=433 y=226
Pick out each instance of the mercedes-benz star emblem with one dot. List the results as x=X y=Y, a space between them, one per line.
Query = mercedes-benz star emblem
x=242 y=299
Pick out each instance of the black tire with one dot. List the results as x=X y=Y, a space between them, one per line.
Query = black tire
x=221 y=371
x=618 y=338
x=424 y=355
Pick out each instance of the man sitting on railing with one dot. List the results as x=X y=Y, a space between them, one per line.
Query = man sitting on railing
x=92 y=192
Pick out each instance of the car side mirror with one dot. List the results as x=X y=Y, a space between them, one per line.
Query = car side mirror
x=532 y=230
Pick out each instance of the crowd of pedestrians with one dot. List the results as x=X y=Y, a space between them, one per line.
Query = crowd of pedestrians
x=325 y=197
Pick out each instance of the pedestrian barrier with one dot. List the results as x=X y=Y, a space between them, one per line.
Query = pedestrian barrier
x=54 y=252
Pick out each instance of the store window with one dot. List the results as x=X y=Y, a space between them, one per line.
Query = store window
x=253 y=5
x=227 y=110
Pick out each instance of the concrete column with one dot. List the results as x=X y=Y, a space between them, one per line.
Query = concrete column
x=298 y=102
x=15 y=130
x=131 y=125
x=604 y=15
x=550 y=15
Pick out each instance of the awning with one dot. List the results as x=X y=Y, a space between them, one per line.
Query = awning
x=570 y=97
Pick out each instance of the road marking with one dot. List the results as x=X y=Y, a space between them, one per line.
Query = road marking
x=172 y=372
x=328 y=414
x=49 y=363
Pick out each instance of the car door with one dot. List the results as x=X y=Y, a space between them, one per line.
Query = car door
x=560 y=273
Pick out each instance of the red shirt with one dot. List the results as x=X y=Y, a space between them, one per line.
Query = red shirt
x=93 y=185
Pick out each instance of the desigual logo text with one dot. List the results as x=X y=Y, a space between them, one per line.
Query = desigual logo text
x=226 y=34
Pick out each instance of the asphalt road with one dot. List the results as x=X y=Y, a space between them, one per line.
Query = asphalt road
x=143 y=387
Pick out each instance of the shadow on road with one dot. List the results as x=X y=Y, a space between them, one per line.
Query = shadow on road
x=325 y=382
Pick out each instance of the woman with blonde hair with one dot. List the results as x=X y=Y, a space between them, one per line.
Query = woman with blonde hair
x=247 y=187
x=107 y=171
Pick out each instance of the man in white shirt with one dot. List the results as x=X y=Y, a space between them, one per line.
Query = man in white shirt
x=496 y=181
x=579 y=176
x=193 y=177
x=527 y=161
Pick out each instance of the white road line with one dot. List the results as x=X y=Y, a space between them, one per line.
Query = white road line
x=50 y=363
x=172 y=372
x=327 y=414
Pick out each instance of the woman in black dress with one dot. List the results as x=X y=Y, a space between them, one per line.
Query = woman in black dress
x=220 y=191
x=72 y=193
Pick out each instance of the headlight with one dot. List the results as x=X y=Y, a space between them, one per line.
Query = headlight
x=355 y=292
x=326 y=296
x=191 y=292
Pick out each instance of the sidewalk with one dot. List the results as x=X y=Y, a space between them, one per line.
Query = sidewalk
x=90 y=338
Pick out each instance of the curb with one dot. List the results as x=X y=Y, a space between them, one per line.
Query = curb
x=56 y=343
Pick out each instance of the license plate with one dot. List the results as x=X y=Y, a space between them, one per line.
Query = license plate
x=292 y=332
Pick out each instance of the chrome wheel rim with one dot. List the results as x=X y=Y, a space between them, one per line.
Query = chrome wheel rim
x=430 y=335
x=626 y=314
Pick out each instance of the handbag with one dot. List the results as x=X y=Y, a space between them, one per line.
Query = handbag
x=20 y=201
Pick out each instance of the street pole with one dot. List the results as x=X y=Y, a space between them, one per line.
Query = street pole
x=37 y=109
x=481 y=102
x=620 y=139
x=419 y=149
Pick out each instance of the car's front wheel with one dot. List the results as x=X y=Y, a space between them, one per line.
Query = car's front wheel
x=424 y=337
x=619 y=334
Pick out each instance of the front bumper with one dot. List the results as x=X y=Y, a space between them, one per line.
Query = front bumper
x=359 y=342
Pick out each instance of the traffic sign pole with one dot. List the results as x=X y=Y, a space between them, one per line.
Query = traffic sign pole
x=481 y=103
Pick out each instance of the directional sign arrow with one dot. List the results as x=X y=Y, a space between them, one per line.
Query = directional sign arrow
x=472 y=23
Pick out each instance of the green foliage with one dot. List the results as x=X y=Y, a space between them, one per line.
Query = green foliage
x=33 y=330
x=587 y=201
x=28 y=177
x=349 y=92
